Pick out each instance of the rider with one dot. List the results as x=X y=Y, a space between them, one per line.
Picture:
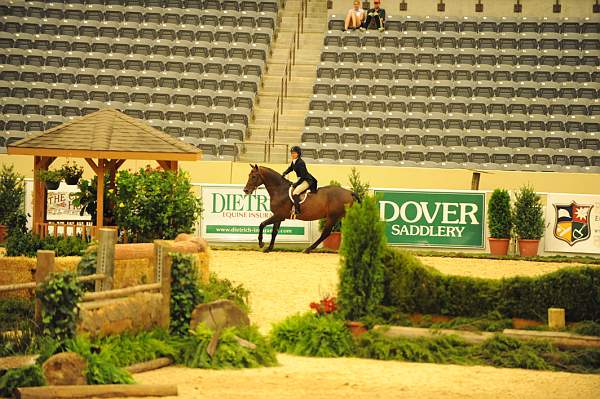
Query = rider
x=305 y=180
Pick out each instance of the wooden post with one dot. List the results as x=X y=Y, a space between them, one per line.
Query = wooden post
x=100 y=196
x=45 y=266
x=475 y=181
x=163 y=276
x=556 y=318
x=105 y=260
x=39 y=190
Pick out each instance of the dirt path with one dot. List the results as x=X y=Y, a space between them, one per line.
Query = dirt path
x=300 y=378
x=285 y=283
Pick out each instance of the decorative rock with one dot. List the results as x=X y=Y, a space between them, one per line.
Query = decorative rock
x=65 y=368
x=219 y=315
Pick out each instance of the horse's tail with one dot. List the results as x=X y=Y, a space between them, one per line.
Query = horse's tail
x=356 y=197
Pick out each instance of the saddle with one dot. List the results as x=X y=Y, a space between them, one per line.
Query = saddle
x=303 y=196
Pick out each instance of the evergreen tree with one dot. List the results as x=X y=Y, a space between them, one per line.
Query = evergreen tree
x=362 y=273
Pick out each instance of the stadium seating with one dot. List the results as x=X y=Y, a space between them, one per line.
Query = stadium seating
x=191 y=68
x=515 y=94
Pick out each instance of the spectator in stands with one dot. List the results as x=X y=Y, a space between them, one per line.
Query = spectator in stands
x=355 y=17
x=375 y=17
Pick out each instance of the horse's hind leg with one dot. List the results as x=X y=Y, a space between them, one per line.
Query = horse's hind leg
x=324 y=234
x=273 y=235
x=261 y=227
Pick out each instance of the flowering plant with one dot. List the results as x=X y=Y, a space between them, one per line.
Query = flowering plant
x=325 y=306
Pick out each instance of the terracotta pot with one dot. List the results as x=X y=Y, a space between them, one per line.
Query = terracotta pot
x=2 y=233
x=333 y=241
x=528 y=247
x=52 y=185
x=72 y=180
x=356 y=327
x=499 y=246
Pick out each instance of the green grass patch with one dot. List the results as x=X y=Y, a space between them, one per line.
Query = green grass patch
x=229 y=353
x=311 y=335
x=31 y=376
x=222 y=288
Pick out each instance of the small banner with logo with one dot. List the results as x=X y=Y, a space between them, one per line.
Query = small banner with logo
x=230 y=215
x=433 y=218
x=573 y=223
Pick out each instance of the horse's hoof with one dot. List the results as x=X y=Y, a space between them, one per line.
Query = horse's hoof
x=267 y=250
x=307 y=251
x=261 y=244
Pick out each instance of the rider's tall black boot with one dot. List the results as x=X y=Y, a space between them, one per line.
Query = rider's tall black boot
x=297 y=204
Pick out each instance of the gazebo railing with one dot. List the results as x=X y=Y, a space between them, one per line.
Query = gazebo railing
x=65 y=228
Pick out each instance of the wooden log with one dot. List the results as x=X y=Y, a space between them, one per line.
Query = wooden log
x=560 y=339
x=91 y=277
x=134 y=251
x=95 y=391
x=16 y=287
x=45 y=266
x=121 y=292
x=149 y=365
x=414 y=332
x=16 y=362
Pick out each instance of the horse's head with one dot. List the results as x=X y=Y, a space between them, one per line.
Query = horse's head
x=255 y=180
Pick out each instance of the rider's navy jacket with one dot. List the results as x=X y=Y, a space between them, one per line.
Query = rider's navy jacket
x=299 y=167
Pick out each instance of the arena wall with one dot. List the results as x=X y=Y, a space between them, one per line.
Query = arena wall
x=495 y=8
x=219 y=172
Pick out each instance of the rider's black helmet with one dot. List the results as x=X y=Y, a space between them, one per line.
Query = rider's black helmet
x=297 y=150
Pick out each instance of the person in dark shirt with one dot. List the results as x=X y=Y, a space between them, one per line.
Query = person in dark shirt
x=375 y=17
x=305 y=180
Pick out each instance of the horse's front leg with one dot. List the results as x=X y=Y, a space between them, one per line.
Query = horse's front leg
x=273 y=235
x=261 y=227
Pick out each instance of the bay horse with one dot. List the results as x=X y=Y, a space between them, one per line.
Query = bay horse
x=328 y=203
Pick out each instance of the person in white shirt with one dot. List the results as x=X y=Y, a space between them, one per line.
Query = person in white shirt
x=355 y=17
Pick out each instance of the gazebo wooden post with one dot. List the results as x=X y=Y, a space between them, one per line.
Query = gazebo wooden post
x=39 y=192
x=100 y=196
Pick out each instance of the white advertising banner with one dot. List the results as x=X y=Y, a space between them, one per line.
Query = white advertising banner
x=231 y=215
x=573 y=223
x=59 y=203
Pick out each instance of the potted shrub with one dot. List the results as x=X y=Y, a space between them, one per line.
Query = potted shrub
x=335 y=238
x=52 y=178
x=499 y=222
x=12 y=195
x=529 y=221
x=71 y=173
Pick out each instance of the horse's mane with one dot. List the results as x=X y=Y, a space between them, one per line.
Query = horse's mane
x=274 y=172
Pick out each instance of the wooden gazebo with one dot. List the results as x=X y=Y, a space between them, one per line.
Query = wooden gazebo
x=105 y=139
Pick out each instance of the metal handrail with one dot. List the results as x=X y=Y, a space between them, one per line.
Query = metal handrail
x=287 y=72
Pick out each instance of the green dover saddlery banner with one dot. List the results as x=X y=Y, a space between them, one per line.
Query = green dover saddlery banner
x=231 y=215
x=433 y=218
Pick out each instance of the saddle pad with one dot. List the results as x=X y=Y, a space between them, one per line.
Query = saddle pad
x=303 y=196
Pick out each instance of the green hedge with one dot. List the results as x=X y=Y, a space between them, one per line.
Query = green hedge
x=411 y=287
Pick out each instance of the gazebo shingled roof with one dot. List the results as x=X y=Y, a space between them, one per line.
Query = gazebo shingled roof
x=107 y=135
